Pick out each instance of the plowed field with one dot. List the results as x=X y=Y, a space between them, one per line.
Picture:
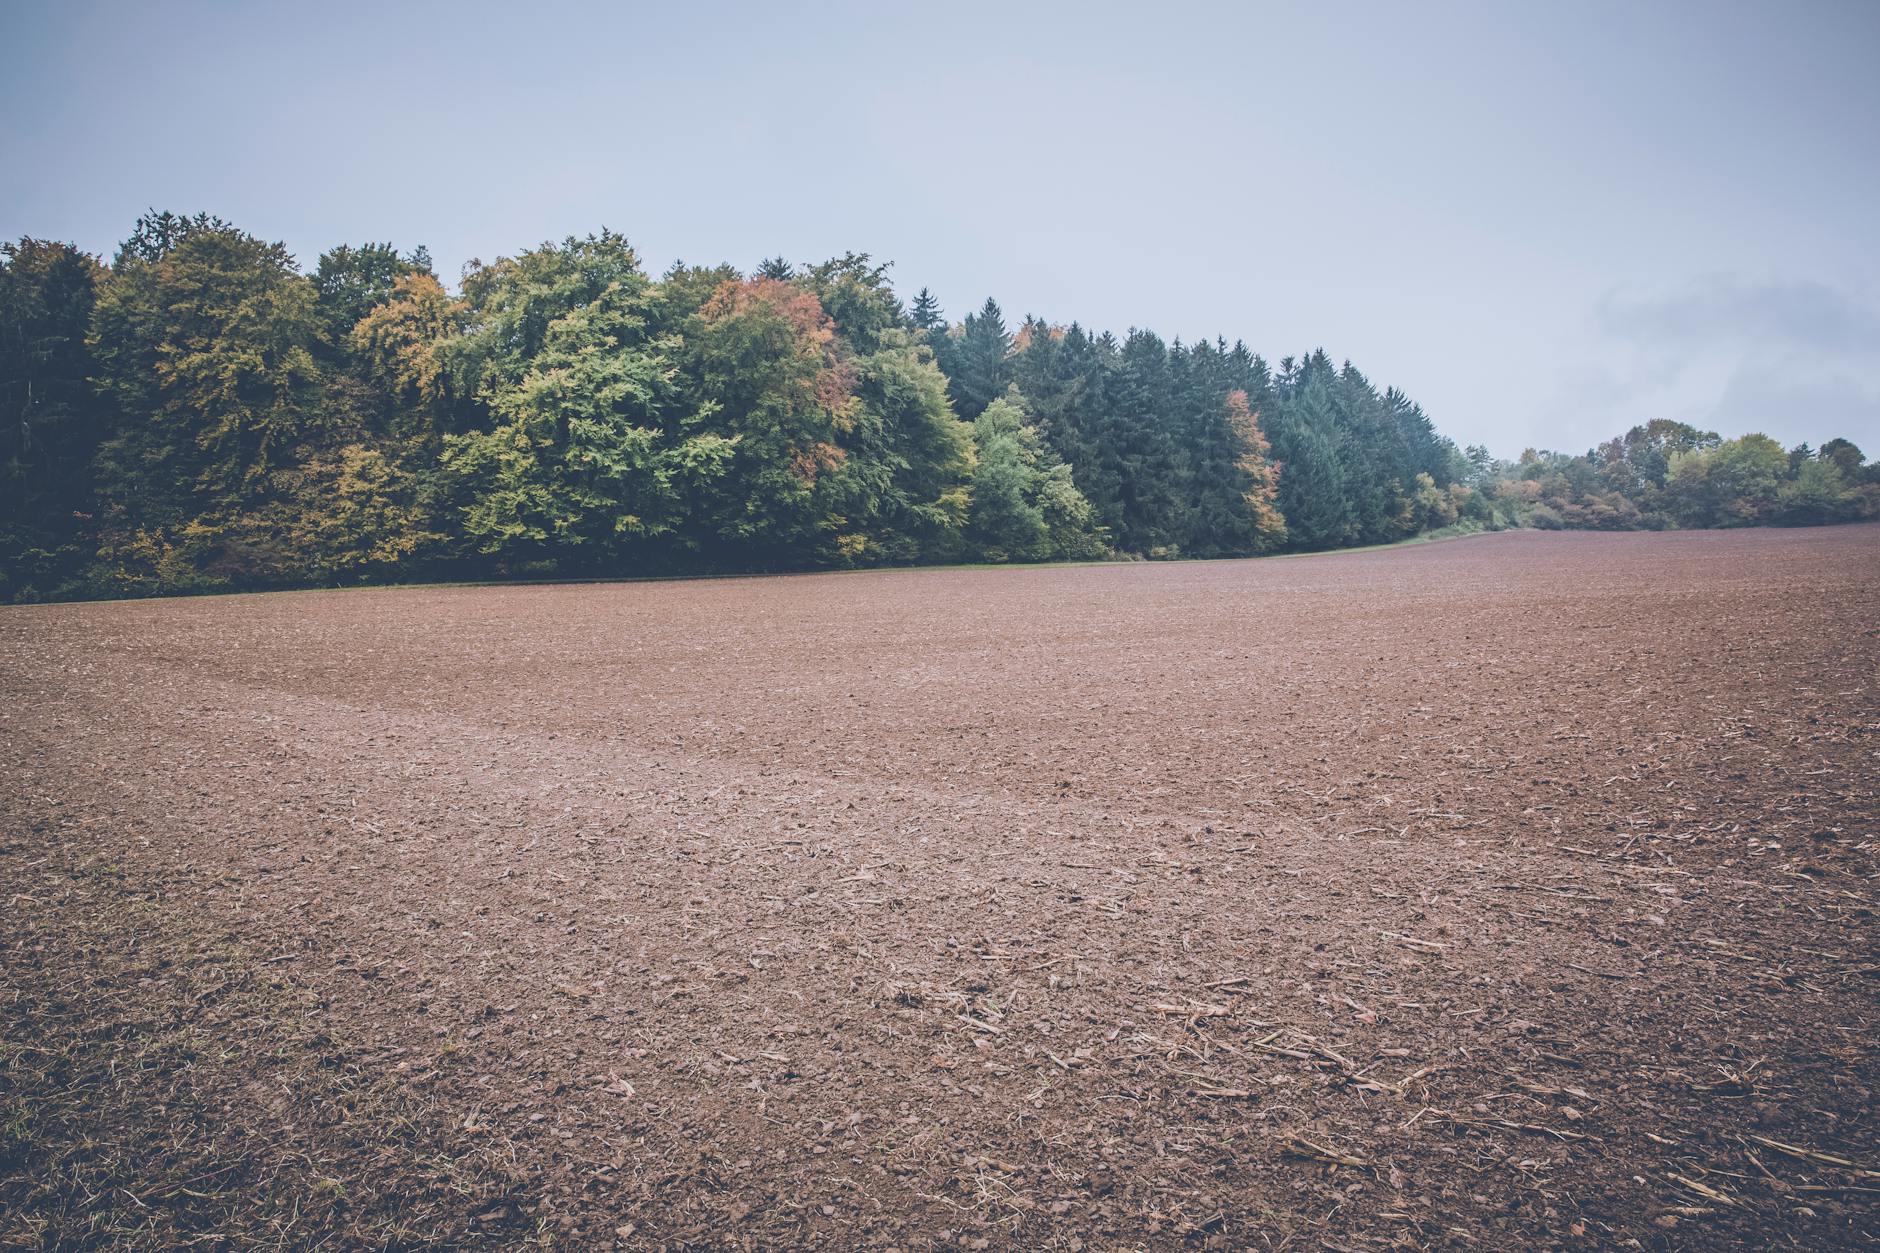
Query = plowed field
x=1513 y=892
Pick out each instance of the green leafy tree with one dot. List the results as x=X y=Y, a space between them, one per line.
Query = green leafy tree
x=512 y=302
x=774 y=383
x=1024 y=505
x=1736 y=483
x=1818 y=494
x=397 y=346
x=1847 y=458
x=205 y=349
x=348 y=513
x=910 y=459
x=856 y=295
x=576 y=466
x=684 y=289
x=349 y=282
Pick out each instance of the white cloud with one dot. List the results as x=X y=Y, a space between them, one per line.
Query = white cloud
x=1796 y=359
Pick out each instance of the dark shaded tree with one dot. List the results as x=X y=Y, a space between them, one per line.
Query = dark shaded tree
x=50 y=422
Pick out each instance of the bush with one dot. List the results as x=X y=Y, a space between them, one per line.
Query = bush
x=1544 y=518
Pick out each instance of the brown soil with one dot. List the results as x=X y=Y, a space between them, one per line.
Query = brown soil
x=1512 y=892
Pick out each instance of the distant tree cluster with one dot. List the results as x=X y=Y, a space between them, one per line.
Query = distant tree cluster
x=201 y=414
x=1666 y=474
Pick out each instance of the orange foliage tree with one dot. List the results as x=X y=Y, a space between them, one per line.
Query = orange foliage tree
x=1262 y=494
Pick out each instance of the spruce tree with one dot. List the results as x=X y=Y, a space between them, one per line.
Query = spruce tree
x=925 y=315
x=978 y=372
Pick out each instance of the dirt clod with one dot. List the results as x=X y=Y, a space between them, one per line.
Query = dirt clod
x=1512 y=892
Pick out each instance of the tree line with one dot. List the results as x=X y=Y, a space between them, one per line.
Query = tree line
x=1665 y=475
x=201 y=414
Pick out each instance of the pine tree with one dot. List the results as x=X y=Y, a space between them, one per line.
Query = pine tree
x=1141 y=434
x=1057 y=372
x=926 y=315
x=1311 y=482
x=977 y=371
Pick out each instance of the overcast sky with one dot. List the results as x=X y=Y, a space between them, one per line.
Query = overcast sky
x=1546 y=222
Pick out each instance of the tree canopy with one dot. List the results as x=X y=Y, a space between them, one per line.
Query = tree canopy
x=200 y=413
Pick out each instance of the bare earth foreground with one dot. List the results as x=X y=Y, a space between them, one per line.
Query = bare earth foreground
x=1515 y=892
